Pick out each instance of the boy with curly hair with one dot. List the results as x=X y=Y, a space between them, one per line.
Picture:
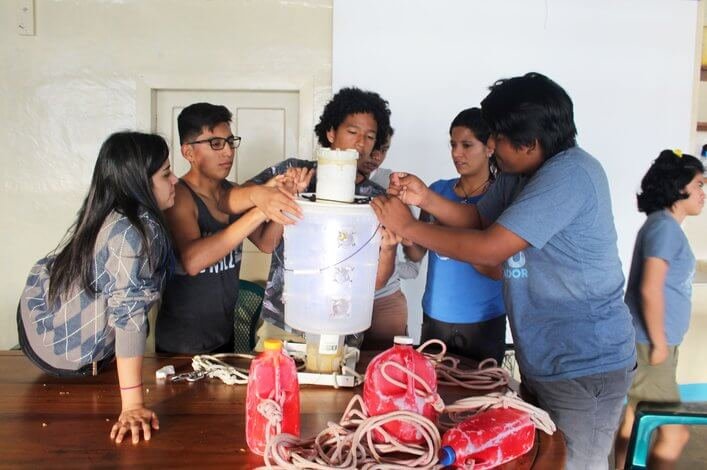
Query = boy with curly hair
x=353 y=119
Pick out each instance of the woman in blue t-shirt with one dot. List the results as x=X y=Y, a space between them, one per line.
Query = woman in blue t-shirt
x=463 y=303
x=658 y=293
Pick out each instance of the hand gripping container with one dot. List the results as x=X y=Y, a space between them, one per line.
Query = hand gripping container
x=382 y=395
x=272 y=397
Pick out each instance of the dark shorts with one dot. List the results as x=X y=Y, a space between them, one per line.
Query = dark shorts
x=32 y=356
x=654 y=383
x=477 y=341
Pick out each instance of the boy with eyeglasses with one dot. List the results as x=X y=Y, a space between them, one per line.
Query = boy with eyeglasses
x=197 y=311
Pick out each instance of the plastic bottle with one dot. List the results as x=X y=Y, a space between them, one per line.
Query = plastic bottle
x=272 y=378
x=324 y=353
x=489 y=439
x=381 y=396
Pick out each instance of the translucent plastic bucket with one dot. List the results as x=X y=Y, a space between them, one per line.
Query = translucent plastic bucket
x=331 y=259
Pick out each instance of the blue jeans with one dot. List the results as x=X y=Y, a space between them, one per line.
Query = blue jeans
x=587 y=411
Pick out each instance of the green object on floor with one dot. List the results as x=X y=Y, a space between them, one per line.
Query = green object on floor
x=649 y=416
x=250 y=301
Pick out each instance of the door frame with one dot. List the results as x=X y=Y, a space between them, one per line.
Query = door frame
x=146 y=100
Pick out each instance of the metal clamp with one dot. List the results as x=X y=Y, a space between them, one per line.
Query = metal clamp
x=193 y=376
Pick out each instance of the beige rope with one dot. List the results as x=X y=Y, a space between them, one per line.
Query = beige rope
x=466 y=407
x=487 y=375
x=433 y=398
x=349 y=444
x=272 y=411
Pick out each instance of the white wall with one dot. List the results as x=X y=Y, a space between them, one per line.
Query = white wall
x=84 y=75
x=629 y=66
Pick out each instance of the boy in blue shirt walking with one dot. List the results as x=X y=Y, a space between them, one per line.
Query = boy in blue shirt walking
x=548 y=219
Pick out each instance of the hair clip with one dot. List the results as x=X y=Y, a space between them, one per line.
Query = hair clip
x=678 y=153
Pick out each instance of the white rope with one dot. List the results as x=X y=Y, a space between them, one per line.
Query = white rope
x=487 y=375
x=466 y=407
x=349 y=444
x=215 y=368
x=426 y=392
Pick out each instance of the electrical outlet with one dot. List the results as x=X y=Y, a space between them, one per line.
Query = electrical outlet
x=25 y=17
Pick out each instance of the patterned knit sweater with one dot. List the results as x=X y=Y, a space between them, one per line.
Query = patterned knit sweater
x=82 y=327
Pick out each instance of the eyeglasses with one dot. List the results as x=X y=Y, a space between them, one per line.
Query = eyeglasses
x=218 y=143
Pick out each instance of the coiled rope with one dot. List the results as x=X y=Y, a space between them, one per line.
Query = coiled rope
x=467 y=407
x=349 y=444
x=487 y=376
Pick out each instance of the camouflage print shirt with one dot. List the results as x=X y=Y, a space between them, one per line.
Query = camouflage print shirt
x=273 y=308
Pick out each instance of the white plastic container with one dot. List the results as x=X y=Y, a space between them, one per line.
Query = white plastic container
x=336 y=174
x=331 y=259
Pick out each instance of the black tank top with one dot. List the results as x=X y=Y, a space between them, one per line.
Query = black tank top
x=197 y=312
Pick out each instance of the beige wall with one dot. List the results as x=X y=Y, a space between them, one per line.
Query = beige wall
x=87 y=72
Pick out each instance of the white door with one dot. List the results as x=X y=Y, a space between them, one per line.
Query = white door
x=268 y=123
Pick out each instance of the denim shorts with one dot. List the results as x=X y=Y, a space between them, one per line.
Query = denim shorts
x=587 y=411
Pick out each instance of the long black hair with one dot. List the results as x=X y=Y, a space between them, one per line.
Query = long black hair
x=121 y=182
x=664 y=183
x=472 y=119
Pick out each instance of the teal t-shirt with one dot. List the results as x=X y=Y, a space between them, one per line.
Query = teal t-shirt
x=564 y=293
x=661 y=237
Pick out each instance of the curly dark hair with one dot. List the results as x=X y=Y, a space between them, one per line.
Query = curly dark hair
x=354 y=101
x=664 y=183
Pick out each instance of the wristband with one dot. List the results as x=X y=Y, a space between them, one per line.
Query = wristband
x=132 y=386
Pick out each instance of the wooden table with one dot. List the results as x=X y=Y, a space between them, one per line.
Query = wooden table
x=51 y=422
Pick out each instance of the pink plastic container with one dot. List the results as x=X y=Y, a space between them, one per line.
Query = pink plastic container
x=273 y=376
x=490 y=438
x=381 y=396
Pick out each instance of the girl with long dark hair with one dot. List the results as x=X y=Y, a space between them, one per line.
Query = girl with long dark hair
x=88 y=300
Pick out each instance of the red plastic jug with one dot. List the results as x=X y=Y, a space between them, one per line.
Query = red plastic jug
x=272 y=397
x=383 y=396
x=490 y=438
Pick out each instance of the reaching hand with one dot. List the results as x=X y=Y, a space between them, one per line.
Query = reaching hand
x=274 y=202
x=408 y=188
x=296 y=180
x=133 y=421
x=392 y=214
x=389 y=240
x=659 y=353
x=275 y=181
